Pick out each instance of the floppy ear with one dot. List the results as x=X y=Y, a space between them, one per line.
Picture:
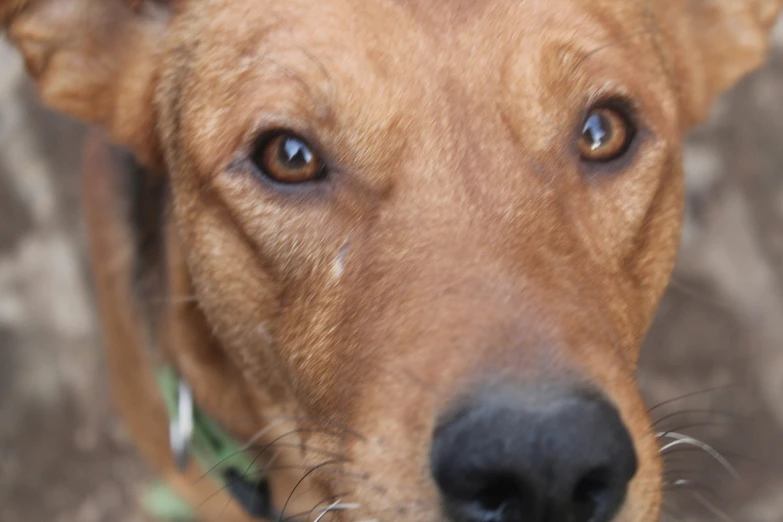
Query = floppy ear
x=711 y=45
x=94 y=60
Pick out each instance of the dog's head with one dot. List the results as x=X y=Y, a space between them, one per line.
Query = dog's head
x=429 y=235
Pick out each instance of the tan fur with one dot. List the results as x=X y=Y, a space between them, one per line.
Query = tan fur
x=459 y=239
x=9 y=9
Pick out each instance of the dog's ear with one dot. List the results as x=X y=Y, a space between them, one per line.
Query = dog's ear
x=95 y=60
x=711 y=44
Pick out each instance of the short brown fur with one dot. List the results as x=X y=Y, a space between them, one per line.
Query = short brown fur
x=460 y=240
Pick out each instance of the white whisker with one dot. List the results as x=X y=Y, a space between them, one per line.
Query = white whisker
x=336 y=506
x=680 y=439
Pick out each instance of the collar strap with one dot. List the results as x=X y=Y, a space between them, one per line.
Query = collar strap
x=193 y=433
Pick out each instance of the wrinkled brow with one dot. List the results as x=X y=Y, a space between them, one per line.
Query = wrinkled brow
x=321 y=99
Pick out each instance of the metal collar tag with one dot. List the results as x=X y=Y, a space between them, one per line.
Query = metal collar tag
x=195 y=435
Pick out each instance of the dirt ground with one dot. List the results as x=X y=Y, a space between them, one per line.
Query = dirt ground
x=65 y=457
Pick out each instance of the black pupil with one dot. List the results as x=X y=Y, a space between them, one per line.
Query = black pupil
x=596 y=131
x=294 y=154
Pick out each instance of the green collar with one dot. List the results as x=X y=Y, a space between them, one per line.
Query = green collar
x=195 y=434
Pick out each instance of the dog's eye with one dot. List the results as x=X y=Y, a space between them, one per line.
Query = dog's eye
x=287 y=158
x=606 y=134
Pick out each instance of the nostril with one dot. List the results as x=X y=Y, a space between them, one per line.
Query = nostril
x=500 y=498
x=591 y=493
x=502 y=495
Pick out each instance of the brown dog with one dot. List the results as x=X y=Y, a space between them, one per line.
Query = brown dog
x=407 y=248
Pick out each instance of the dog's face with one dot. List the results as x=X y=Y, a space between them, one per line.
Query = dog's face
x=439 y=229
x=389 y=210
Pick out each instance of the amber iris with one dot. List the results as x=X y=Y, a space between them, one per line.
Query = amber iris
x=606 y=135
x=286 y=158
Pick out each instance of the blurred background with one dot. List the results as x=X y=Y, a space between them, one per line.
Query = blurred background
x=712 y=367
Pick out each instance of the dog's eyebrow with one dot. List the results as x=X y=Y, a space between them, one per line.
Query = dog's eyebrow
x=612 y=43
x=321 y=103
x=321 y=67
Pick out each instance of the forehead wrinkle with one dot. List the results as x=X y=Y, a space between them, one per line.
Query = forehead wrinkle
x=320 y=98
x=586 y=55
x=629 y=26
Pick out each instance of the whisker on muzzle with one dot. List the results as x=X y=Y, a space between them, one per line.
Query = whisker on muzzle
x=398 y=510
x=691 y=395
x=680 y=439
x=337 y=506
x=321 y=512
x=299 y=483
x=684 y=475
x=261 y=474
x=276 y=443
x=725 y=416
x=688 y=485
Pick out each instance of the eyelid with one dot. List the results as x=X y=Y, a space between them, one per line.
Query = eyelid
x=622 y=104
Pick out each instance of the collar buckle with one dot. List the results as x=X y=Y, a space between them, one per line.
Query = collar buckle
x=181 y=426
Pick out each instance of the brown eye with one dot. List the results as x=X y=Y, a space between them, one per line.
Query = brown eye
x=287 y=158
x=606 y=135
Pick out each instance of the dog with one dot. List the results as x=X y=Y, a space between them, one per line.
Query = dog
x=387 y=259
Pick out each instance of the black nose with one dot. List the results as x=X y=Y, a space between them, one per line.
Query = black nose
x=533 y=456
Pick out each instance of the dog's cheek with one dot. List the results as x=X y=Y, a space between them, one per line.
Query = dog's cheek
x=637 y=249
x=238 y=296
x=651 y=262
